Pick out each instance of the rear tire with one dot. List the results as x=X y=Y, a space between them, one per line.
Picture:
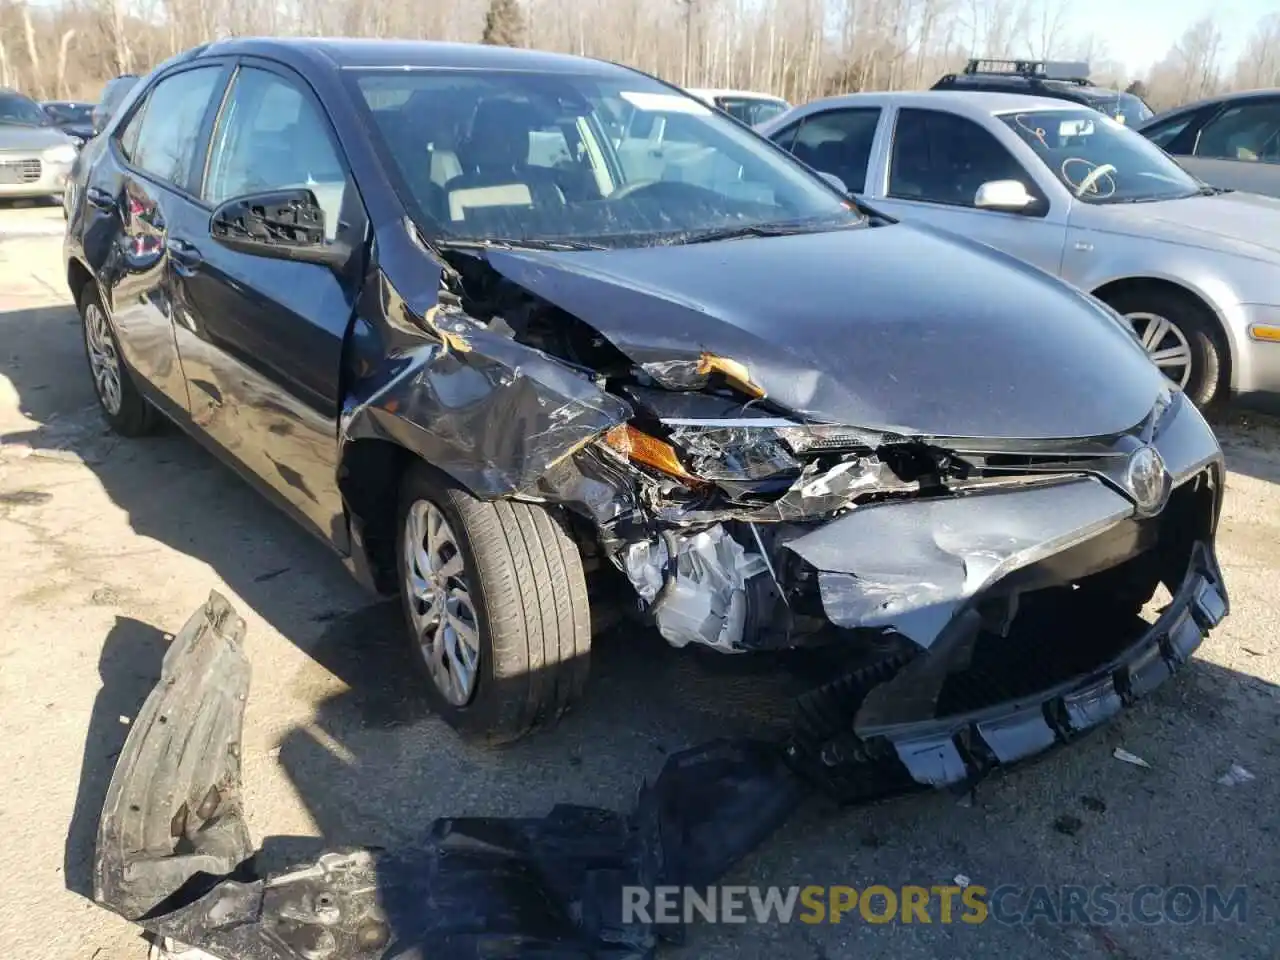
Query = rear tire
x=1190 y=328
x=126 y=410
x=519 y=593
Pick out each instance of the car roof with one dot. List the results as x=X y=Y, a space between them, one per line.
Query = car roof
x=971 y=103
x=349 y=53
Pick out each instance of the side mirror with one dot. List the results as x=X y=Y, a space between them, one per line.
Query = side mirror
x=281 y=225
x=1009 y=196
x=835 y=181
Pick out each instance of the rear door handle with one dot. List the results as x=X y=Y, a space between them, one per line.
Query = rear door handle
x=100 y=198
x=185 y=254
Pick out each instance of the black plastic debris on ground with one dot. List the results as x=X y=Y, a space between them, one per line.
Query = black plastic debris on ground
x=548 y=887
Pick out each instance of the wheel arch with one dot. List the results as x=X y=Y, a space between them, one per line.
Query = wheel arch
x=369 y=475
x=1197 y=299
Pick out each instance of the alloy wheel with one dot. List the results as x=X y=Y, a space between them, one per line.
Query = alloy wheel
x=104 y=362
x=1166 y=345
x=442 y=612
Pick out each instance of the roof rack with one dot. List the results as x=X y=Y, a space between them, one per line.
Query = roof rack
x=1072 y=71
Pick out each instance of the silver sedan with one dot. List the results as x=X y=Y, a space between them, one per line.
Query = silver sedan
x=1195 y=269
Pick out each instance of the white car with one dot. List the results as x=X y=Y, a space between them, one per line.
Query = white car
x=745 y=105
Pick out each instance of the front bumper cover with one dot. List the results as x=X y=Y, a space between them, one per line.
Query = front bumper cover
x=963 y=748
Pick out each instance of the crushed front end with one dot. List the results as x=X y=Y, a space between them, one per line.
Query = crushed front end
x=981 y=599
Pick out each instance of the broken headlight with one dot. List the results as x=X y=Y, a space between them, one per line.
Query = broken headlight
x=735 y=453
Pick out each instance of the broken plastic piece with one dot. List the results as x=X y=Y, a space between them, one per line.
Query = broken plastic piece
x=1133 y=758
x=696 y=374
x=962 y=880
x=549 y=887
x=704 y=600
x=1236 y=774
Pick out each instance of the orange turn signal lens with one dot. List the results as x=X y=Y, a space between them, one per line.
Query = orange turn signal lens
x=1267 y=332
x=639 y=446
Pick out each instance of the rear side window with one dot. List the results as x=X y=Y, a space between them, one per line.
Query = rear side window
x=838 y=142
x=168 y=125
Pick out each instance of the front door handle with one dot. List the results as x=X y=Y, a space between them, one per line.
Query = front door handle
x=185 y=254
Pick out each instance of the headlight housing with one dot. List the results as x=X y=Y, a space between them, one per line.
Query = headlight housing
x=62 y=153
x=735 y=453
x=764 y=454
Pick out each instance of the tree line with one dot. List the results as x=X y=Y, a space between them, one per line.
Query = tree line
x=799 y=49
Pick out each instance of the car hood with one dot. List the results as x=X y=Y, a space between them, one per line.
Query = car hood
x=1245 y=224
x=895 y=328
x=14 y=136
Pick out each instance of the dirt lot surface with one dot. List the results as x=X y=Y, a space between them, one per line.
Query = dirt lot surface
x=108 y=546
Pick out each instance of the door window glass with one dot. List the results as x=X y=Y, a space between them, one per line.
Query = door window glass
x=1165 y=133
x=1250 y=131
x=839 y=142
x=272 y=137
x=169 y=124
x=943 y=158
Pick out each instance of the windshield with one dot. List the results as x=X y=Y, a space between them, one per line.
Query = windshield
x=69 y=112
x=751 y=110
x=606 y=160
x=1125 y=107
x=18 y=109
x=1099 y=159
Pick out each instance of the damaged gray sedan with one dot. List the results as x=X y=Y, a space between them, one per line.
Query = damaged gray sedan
x=525 y=372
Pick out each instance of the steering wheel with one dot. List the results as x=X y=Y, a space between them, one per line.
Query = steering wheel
x=627 y=189
x=1090 y=182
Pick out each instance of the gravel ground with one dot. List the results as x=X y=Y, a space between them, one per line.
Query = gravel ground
x=109 y=545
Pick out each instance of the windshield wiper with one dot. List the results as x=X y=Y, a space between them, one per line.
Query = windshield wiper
x=743 y=231
x=511 y=244
x=1208 y=190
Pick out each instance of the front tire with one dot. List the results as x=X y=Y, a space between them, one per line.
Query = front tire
x=1180 y=337
x=127 y=412
x=495 y=601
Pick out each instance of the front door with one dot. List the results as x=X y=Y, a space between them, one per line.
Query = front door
x=938 y=161
x=261 y=339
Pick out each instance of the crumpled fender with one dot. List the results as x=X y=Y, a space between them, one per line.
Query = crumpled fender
x=493 y=414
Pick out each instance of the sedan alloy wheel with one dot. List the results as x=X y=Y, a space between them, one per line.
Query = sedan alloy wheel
x=442 y=612
x=1166 y=344
x=104 y=362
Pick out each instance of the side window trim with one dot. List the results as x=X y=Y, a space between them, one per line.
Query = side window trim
x=294 y=79
x=786 y=137
x=354 y=220
x=202 y=139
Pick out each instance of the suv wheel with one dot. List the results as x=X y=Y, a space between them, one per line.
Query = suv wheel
x=126 y=410
x=1180 y=339
x=495 y=600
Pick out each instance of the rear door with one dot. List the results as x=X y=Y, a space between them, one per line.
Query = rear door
x=937 y=162
x=261 y=339
x=133 y=199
